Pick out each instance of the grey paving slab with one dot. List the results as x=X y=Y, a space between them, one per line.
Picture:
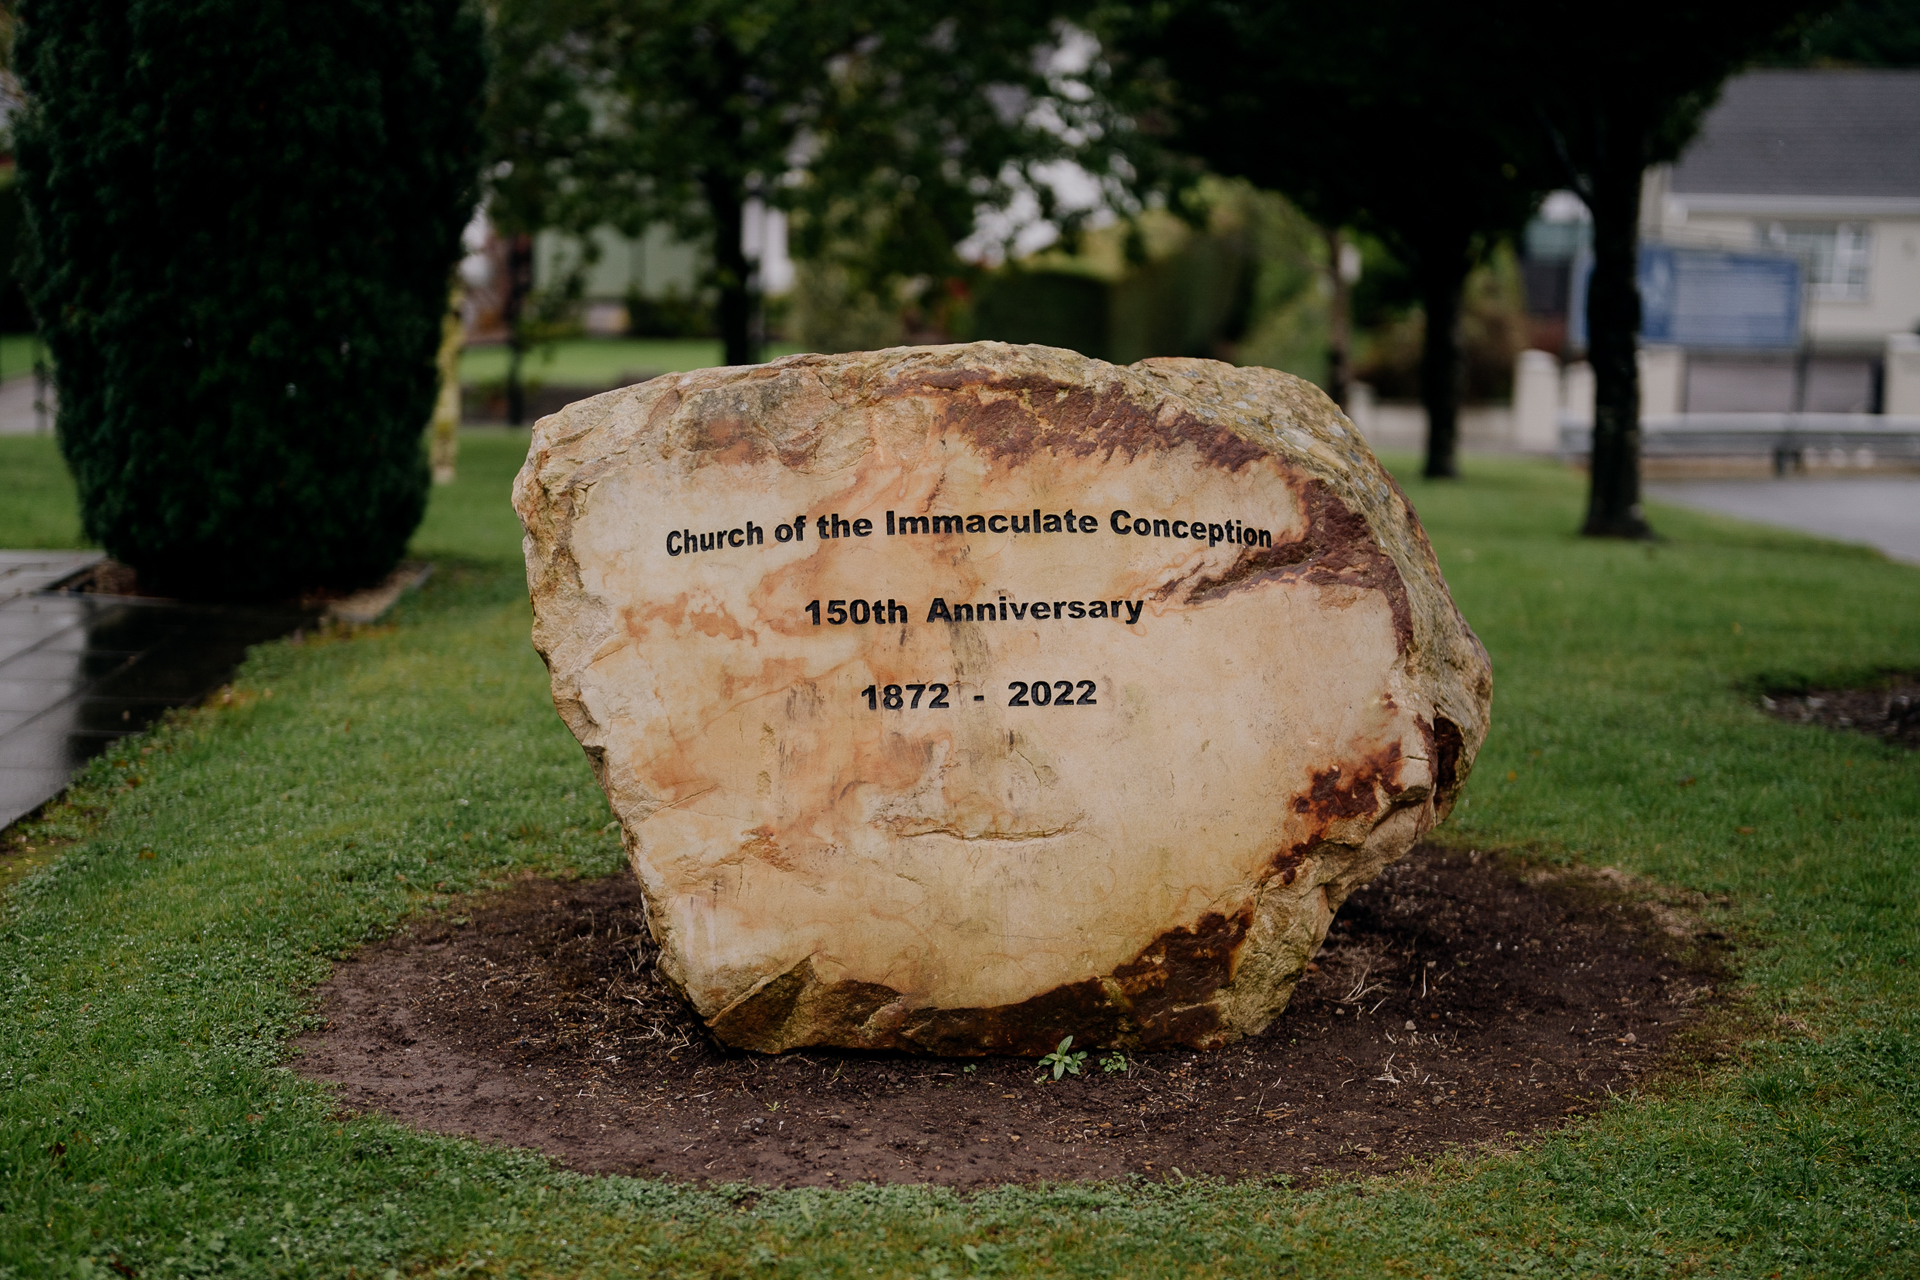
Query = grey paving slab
x=70 y=641
x=44 y=783
x=19 y=639
x=32 y=695
x=1882 y=512
x=22 y=572
x=48 y=665
x=12 y=647
x=31 y=620
x=79 y=672
x=49 y=741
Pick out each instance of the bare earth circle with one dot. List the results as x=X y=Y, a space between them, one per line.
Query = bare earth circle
x=535 y=1019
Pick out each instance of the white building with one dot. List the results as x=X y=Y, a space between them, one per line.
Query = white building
x=657 y=266
x=1824 y=165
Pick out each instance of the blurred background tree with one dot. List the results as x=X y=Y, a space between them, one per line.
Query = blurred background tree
x=1385 y=119
x=15 y=317
x=883 y=126
x=1861 y=33
x=1609 y=102
x=243 y=217
x=1236 y=275
x=14 y=314
x=539 y=175
x=1392 y=326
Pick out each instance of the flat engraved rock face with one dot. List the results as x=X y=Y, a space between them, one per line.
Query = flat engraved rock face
x=959 y=699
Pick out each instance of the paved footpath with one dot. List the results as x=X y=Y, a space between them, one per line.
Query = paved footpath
x=1882 y=512
x=80 y=672
x=18 y=415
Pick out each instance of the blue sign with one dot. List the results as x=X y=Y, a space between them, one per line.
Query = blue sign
x=1705 y=298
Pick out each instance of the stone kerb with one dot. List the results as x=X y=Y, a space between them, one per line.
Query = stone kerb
x=957 y=699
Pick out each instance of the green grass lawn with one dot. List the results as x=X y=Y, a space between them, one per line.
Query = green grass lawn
x=595 y=362
x=38 y=508
x=17 y=352
x=155 y=971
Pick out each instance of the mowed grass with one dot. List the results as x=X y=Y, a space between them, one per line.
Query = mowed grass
x=154 y=974
x=38 y=506
x=18 y=351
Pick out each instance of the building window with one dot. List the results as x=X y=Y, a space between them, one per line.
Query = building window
x=1836 y=254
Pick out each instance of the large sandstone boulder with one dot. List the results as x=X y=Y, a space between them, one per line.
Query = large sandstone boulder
x=962 y=698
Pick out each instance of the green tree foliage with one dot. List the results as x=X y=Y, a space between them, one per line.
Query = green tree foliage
x=1493 y=331
x=884 y=125
x=1384 y=117
x=1195 y=298
x=14 y=316
x=1237 y=278
x=243 y=215
x=1619 y=93
x=1860 y=33
x=1052 y=308
x=1435 y=126
x=1289 y=311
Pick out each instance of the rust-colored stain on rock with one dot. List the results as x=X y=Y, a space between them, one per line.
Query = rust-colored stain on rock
x=959 y=699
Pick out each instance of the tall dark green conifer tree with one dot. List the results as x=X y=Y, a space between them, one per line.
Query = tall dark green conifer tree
x=242 y=217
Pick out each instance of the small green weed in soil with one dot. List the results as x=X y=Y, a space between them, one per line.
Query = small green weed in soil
x=150 y=1126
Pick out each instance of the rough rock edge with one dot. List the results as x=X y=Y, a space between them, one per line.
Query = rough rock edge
x=1263 y=962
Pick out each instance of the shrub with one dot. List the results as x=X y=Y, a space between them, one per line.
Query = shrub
x=242 y=217
x=1053 y=308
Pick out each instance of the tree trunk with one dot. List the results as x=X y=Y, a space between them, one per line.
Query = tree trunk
x=1339 y=322
x=1442 y=281
x=444 y=453
x=519 y=288
x=1613 y=327
x=735 y=273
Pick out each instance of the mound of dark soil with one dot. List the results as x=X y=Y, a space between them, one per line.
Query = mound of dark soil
x=1457 y=1001
x=1889 y=712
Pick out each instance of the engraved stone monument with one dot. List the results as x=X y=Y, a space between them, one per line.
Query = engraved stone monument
x=958 y=699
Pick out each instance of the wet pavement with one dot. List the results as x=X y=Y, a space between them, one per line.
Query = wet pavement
x=79 y=672
x=1882 y=512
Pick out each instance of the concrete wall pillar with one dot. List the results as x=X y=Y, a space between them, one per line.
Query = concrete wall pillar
x=1359 y=407
x=1536 y=402
x=1576 y=393
x=1903 y=374
x=1663 y=381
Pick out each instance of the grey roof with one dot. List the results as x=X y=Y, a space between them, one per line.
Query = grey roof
x=1808 y=133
